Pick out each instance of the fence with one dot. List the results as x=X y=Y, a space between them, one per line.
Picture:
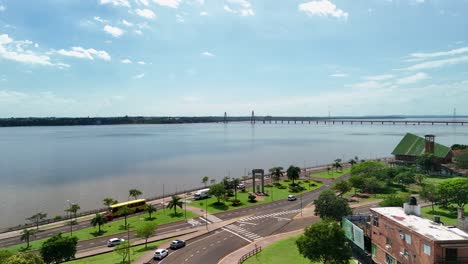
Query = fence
x=250 y=254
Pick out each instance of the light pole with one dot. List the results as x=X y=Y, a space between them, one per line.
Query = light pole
x=301 y=204
x=70 y=216
x=206 y=213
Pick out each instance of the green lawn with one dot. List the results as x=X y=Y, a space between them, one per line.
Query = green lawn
x=115 y=227
x=274 y=195
x=114 y=258
x=280 y=252
x=437 y=180
x=448 y=217
x=332 y=174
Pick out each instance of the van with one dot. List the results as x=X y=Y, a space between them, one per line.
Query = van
x=201 y=194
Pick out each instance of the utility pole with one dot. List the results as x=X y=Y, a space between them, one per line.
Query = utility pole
x=164 y=207
x=301 y=204
x=128 y=244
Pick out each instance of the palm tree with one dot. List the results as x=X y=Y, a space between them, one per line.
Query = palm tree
x=205 y=180
x=108 y=202
x=98 y=220
x=276 y=173
x=150 y=209
x=73 y=209
x=235 y=182
x=293 y=173
x=125 y=211
x=352 y=162
x=337 y=164
x=176 y=201
x=134 y=193
x=26 y=235
x=36 y=219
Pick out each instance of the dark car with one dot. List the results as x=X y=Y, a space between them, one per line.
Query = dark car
x=177 y=244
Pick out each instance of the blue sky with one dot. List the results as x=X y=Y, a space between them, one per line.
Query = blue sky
x=207 y=57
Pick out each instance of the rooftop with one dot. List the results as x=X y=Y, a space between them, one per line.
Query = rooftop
x=412 y=145
x=422 y=226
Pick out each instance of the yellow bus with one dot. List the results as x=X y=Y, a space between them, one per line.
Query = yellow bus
x=136 y=205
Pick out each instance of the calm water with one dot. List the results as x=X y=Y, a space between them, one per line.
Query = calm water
x=43 y=167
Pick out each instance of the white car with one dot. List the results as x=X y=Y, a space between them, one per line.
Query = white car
x=114 y=241
x=292 y=198
x=160 y=253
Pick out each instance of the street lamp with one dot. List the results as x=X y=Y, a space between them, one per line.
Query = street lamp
x=70 y=216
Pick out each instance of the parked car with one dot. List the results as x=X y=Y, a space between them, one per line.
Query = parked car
x=114 y=241
x=160 y=254
x=177 y=244
x=241 y=186
x=292 y=198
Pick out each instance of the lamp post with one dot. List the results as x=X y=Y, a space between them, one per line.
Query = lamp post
x=70 y=216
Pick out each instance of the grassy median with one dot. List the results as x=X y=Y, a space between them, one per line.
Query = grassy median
x=114 y=227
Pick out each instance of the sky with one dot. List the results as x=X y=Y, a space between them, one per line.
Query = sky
x=206 y=57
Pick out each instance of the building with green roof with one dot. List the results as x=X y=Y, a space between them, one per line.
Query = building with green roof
x=412 y=146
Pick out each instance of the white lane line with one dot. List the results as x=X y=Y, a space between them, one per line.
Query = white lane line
x=201 y=218
x=246 y=223
x=225 y=229
x=282 y=218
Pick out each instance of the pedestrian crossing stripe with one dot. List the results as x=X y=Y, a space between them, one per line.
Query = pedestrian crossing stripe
x=241 y=231
x=269 y=215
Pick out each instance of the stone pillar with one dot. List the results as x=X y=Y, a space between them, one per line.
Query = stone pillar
x=263 y=182
x=253 y=181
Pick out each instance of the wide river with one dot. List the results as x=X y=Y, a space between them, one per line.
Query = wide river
x=43 y=167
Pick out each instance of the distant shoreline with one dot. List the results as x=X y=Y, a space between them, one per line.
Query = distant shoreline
x=141 y=120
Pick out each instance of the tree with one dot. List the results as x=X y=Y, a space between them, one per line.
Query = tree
x=212 y=181
x=419 y=179
x=429 y=193
x=461 y=160
x=26 y=235
x=373 y=185
x=328 y=205
x=454 y=191
x=218 y=191
x=276 y=173
x=405 y=178
x=99 y=220
x=59 y=248
x=205 y=180
x=357 y=182
x=146 y=230
x=24 y=258
x=125 y=211
x=393 y=200
x=342 y=187
x=108 y=202
x=123 y=250
x=293 y=173
x=4 y=255
x=150 y=209
x=235 y=182
x=427 y=162
x=367 y=168
x=134 y=193
x=36 y=219
x=73 y=209
x=175 y=202
x=337 y=164
x=352 y=162
x=324 y=242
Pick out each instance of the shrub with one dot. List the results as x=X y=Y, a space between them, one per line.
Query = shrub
x=236 y=202
x=296 y=189
x=276 y=184
x=306 y=181
x=281 y=187
x=268 y=185
x=312 y=184
x=252 y=198
x=394 y=200
x=287 y=180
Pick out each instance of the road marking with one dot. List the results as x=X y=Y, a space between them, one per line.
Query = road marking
x=281 y=218
x=206 y=220
x=237 y=235
x=246 y=223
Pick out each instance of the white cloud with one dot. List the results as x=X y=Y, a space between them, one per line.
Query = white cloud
x=126 y=23
x=115 y=2
x=200 y=2
x=101 y=20
x=382 y=77
x=2 y=8
x=439 y=54
x=114 y=31
x=180 y=19
x=126 y=61
x=168 y=3
x=413 y=78
x=339 y=75
x=146 y=13
x=203 y=13
x=322 y=8
x=143 y=2
x=17 y=51
x=436 y=63
x=141 y=62
x=138 y=76
x=240 y=7
x=79 y=52
x=139 y=32
x=207 y=54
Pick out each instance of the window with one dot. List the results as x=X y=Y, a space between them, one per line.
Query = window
x=388 y=241
x=389 y=259
x=405 y=253
x=408 y=238
x=426 y=249
x=375 y=221
x=374 y=250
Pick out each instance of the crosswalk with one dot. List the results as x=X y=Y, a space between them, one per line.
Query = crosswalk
x=243 y=233
x=256 y=217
